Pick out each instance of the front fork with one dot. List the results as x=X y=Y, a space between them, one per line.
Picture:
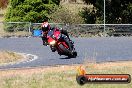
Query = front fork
x=52 y=48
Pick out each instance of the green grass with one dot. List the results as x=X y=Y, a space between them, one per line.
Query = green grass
x=41 y=78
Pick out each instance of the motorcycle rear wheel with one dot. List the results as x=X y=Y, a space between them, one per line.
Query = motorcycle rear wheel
x=73 y=55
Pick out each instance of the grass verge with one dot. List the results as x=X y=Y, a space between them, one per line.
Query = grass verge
x=9 y=57
x=62 y=76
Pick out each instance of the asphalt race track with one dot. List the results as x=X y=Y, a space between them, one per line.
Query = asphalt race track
x=89 y=49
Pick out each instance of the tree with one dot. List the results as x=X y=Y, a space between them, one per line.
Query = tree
x=30 y=10
x=96 y=14
x=118 y=11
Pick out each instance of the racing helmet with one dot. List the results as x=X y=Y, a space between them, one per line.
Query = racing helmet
x=45 y=26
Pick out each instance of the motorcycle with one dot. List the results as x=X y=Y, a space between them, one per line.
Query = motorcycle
x=61 y=43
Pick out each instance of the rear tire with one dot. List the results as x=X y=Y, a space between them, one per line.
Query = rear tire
x=73 y=55
x=70 y=54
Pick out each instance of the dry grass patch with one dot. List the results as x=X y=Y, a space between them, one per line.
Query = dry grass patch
x=8 y=57
x=15 y=34
x=62 y=76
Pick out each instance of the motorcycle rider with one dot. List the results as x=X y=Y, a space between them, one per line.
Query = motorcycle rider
x=45 y=27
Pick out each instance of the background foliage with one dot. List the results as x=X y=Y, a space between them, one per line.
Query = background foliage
x=118 y=11
x=96 y=14
x=64 y=15
x=30 y=10
x=37 y=10
x=3 y=3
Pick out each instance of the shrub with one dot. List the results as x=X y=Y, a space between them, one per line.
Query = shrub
x=96 y=14
x=63 y=15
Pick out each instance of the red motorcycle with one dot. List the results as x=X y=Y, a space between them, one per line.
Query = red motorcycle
x=61 y=43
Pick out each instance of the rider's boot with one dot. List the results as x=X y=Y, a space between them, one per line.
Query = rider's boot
x=71 y=41
x=45 y=43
